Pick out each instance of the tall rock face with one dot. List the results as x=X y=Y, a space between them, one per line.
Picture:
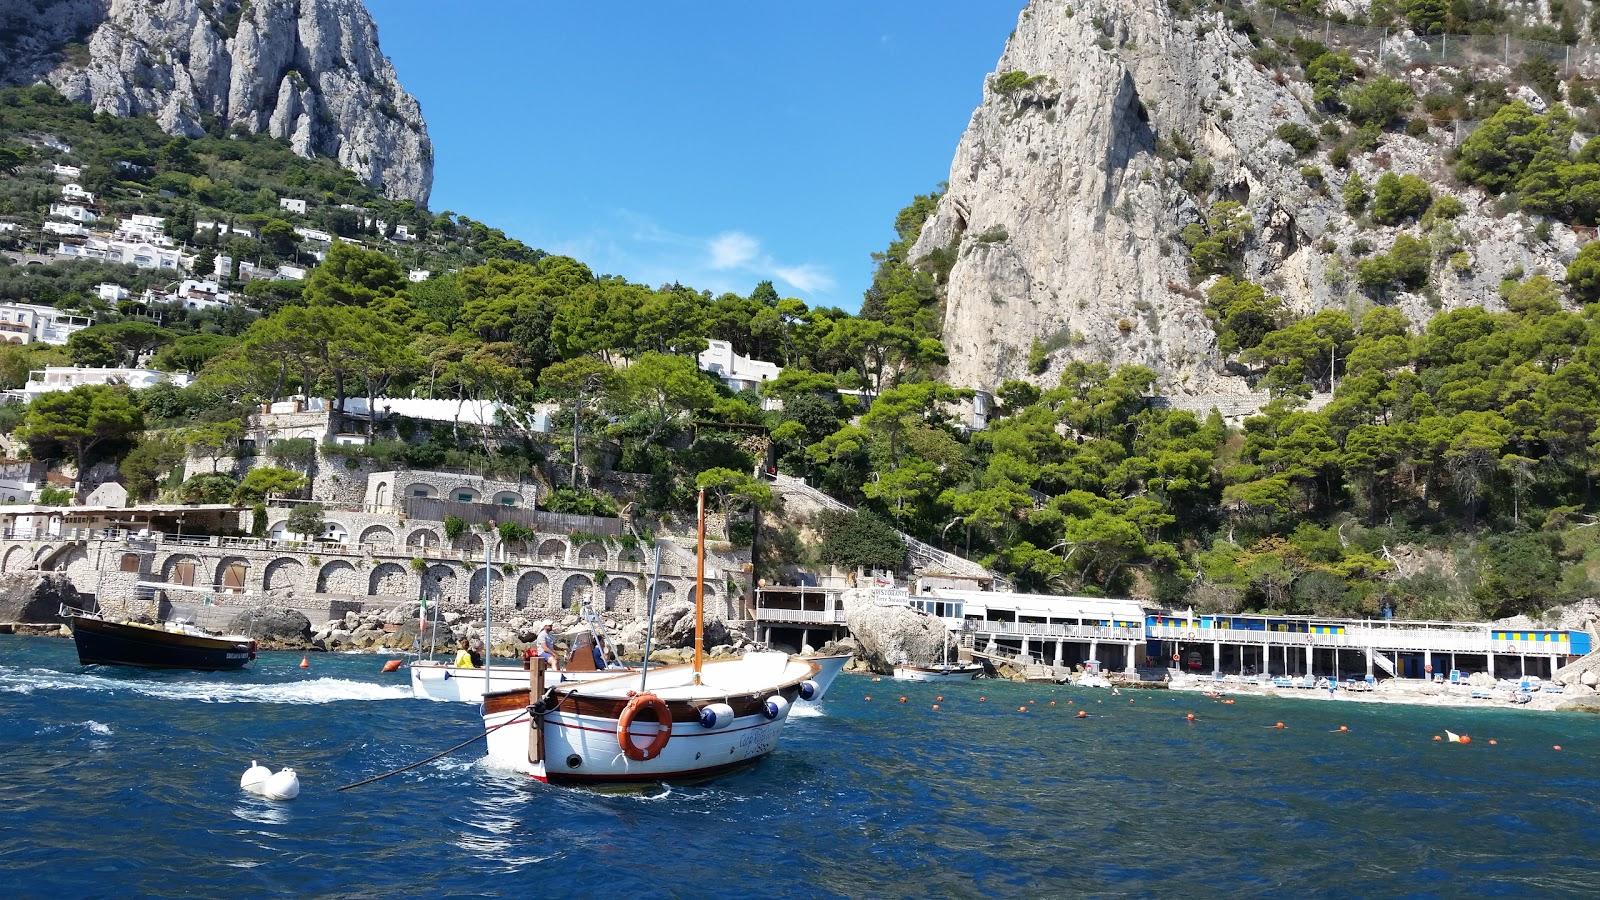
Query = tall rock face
x=307 y=71
x=1067 y=197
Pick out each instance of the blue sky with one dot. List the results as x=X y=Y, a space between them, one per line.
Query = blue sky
x=714 y=143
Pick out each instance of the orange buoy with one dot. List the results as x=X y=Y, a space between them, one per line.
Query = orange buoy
x=1279 y=725
x=392 y=665
x=1437 y=738
x=305 y=662
x=1022 y=709
x=1082 y=714
x=1344 y=729
x=1493 y=742
x=1465 y=739
x=1227 y=703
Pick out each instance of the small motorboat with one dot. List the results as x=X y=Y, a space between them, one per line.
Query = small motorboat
x=956 y=672
x=173 y=645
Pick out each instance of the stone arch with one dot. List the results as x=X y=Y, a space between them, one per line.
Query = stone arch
x=16 y=560
x=552 y=550
x=618 y=590
x=577 y=588
x=335 y=531
x=533 y=589
x=439 y=582
x=340 y=577
x=391 y=579
x=475 y=585
x=665 y=592
x=508 y=498
x=377 y=534
x=473 y=545
x=233 y=573
x=43 y=552
x=592 y=553
x=421 y=489
x=380 y=495
x=423 y=538
x=285 y=572
x=180 y=568
x=630 y=558
x=464 y=494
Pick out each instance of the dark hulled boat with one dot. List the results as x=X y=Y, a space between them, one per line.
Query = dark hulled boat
x=102 y=642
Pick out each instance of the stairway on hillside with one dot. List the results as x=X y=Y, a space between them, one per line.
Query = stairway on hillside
x=921 y=552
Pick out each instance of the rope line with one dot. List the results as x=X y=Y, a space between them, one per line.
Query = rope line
x=434 y=757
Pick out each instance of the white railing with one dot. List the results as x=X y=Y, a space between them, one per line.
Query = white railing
x=1060 y=630
x=1461 y=639
x=818 y=616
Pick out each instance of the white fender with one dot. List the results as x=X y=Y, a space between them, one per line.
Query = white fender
x=283 y=786
x=255 y=778
x=810 y=690
x=777 y=706
x=716 y=715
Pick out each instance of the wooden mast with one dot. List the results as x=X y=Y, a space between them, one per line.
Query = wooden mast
x=700 y=590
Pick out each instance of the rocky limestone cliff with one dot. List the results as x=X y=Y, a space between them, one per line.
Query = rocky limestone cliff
x=307 y=71
x=1065 y=203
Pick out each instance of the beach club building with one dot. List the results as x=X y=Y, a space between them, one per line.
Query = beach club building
x=1122 y=634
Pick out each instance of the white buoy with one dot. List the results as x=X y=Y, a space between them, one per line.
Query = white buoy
x=283 y=786
x=255 y=778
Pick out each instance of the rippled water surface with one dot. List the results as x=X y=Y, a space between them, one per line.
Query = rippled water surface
x=125 y=783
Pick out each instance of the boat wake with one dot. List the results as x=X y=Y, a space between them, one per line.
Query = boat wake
x=317 y=690
x=99 y=729
x=806 y=711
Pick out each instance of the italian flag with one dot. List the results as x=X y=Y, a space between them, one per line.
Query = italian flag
x=422 y=615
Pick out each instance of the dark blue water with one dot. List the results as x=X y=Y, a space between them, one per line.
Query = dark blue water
x=126 y=784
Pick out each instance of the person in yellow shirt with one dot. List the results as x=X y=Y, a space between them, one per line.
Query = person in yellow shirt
x=464 y=656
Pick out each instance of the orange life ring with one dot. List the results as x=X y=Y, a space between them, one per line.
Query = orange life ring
x=663 y=728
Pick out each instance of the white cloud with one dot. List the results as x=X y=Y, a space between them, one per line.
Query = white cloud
x=733 y=250
x=805 y=277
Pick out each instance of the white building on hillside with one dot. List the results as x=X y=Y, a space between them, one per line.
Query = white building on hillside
x=142 y=255
x=73 y=212
x=66 y=173
x=313 y=234
x=65 y=378
x=144 y=229
x=110 y=292
x=75 y=191
x=26 y=323
x=416 y=275
x=739 y=373
x=287 y=272
x=292 y=205
x=65 y=229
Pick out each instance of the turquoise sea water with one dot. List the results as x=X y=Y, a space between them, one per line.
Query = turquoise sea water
x=126 y=784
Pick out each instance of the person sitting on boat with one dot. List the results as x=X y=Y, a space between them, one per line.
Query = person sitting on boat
x=464 y=656
x=546 y=644
x=599 y=656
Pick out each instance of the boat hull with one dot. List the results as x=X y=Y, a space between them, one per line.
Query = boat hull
x=920 y=673
x=581 y=745
x=102 y=643
x=828 y=668
x=436 y=681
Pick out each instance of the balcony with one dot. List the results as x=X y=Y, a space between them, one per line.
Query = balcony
x=804 y=616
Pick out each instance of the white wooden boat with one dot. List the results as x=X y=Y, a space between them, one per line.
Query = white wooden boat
x=638 y=728
x=956 y=672
x=676 y=723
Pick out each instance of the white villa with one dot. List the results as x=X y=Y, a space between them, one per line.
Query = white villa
x=292 y=205
x=65 y=378
x=75 y=191
x=739 y=373
x=416 y=275
x=65 y=229
x=74 y=212
x=111 y=292
x=26 y=323
x=313 y=234
x=69 y=173
x=143 y=255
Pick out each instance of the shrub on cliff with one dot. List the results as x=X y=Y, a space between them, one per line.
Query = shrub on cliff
x=1400 y=198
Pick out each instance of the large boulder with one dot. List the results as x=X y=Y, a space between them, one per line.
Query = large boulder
x=273 y=627
x=674 y=628
x=36 y=597
x=894 y=634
